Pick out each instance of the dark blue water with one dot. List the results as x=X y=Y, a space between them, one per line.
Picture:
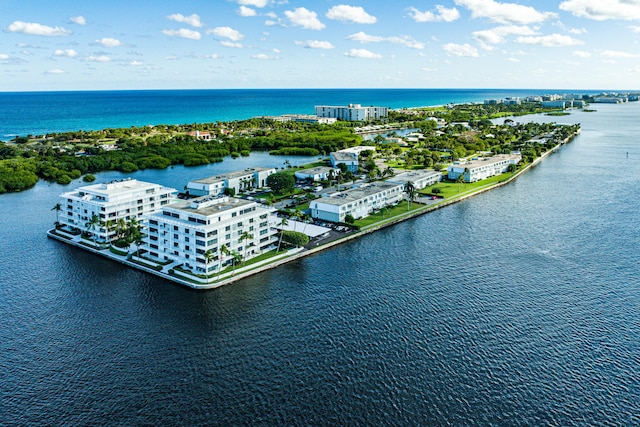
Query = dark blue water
x=37 y=113
x=519 y=307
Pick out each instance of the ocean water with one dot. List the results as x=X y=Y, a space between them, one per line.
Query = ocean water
x=519 y=307
x=37 y=113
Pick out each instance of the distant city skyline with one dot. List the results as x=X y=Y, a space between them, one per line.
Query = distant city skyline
x=217 y=44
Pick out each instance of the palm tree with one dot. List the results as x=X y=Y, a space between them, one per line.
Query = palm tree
x=411 y=193
x=121 y=227
x=138 y=239
x=244 y=237
x=208 y=257
x=283 y=222
x=57 y=207
x=235 y=256
x=460 y=180
x=109 y=225
x=388 y=172
x=91 y=226
x=332 y=176
x=224 y=251
x=383 y=210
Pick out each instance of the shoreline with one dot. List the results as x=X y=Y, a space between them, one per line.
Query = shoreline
x=167 y=272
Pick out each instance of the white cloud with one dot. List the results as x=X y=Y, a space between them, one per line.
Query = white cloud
x=305 y=18
x=578 y=31
x=316 y=44
x=231 y=44
x=109 y=42
x=212 y=56
x=635 y=28
x=246 y=11
x=184 y=33
x=355 y=14
x=513 y=60
x=601 y=10
x=78 y=20
x=101 y=58
x=581 y=54
x=498 y=34
x=55 y=71
x=504 y=13
x=367 y=38
x=256 y=3
x=70 y=53
x=262 y=56
x=442 y=14
x=227 y=33
x=466 y=49
x=618 y=54
x=193 y=20
x=553 y=40
x=4 y=56
x=362 y=53
x=37 y=29
x=135 y=63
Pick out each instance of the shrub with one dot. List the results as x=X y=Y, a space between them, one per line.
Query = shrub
x=295 y=238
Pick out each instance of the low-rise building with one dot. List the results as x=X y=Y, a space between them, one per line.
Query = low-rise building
x=204 y=136
x=357 y=202
x=476 y=170
x=121 y=199
x=419 y=178
x=184 y=231
x=319 y=173
x=350 y=160
x=237 y=181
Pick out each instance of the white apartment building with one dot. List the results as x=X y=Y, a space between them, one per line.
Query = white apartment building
x=477 y=170
x=419 y=178
x=185 y=230
x=357 y=202
x=238 y=181
x=120 y=199
x=319 y=173
x=352 y=112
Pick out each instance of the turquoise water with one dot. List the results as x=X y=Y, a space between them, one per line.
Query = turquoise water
x=37 y=113
x=519 y=307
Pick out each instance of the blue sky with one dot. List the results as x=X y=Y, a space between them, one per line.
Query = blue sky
x=97 y=45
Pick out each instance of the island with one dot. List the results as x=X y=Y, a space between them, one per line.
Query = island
x=222 y=228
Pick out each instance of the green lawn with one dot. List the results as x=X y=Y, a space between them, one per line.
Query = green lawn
x=391 y=212
x=453 y=189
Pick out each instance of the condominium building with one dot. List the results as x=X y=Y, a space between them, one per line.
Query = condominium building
x=237 y=181
x=477 y=170
x=419 y=178
x=121 y=199
x=358 y=202
x=318 y=173
x=350 y=160
x=352 y=112
x=184 y=231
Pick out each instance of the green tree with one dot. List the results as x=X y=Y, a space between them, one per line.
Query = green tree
x=224 y=252
x=283 y=222
x=57 y=207
x=208 y=257
x=411 y=191
x=281 y=182
x=244 y=238
x=295 y=238
x=91 y=226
